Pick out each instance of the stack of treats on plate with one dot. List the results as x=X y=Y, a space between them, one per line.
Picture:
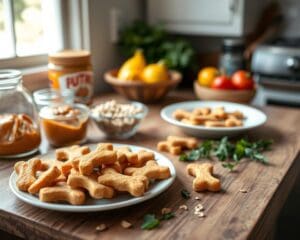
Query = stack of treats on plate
x=210 y=117
x=101 y=173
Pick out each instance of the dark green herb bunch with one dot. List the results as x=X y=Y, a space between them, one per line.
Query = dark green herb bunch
x=230 y=154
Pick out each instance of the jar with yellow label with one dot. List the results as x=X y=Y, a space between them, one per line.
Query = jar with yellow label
x=72 y=69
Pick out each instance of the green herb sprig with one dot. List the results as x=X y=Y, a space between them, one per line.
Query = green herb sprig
x=230 y=154
x=150 y=222
x=185 y=194
x=167 y=216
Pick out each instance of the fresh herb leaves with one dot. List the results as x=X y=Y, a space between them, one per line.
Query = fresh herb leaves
x=223 y=149
x=150 y=222
x=203 y=151
x=157 y=44
x=185 y=194
x=228 y=153
x=167 y=216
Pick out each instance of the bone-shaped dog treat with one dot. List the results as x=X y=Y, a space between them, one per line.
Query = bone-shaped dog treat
x=166 y=146
x=204 y=179
x=95 y=189
x=62 y=193
x=118 y=166
x=219 y=112
x=188 y=121
x=27 y=173
x=237 y=114
x=200 y=120
x=233 y=122
x=66 y=167
x=46 y=164
x=180 y=114
x=135 y=185
x=46 y=179
x=143 y=157
x=151 y=170
x=69 y=153
x=201 y=111
x=95 y=159
x=104 y=146
x=184 y=142
x=124 y=154
x=215 y=124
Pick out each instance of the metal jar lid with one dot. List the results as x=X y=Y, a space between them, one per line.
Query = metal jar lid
x=70 y=58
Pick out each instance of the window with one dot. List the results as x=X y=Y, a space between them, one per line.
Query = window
x=29 y=29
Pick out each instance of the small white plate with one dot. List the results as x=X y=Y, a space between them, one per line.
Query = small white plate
x=253 y=118
x=93 y=205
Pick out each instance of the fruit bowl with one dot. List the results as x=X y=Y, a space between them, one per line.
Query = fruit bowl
x=142 y=92
x=238 y=96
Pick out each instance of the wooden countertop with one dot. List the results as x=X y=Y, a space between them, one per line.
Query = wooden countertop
x=230 y=214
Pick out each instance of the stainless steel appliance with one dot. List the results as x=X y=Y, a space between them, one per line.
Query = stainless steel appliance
x=276 y=67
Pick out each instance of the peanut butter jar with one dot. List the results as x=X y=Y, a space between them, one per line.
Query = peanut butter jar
x=72 y=69
x=64 y=125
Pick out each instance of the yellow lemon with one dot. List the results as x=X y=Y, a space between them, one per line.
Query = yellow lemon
x=155 y=73
x=133 y=67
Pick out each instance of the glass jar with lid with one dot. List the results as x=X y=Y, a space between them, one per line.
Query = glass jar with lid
x=72 y=69
x=232 y=57
x=19 y=129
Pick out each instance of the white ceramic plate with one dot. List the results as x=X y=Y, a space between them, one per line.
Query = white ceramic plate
x=254 y=118
x=93 y=205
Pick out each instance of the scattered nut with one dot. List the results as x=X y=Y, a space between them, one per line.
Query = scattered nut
x=166 y=210
x=126 y=224
x=199 y=210
x=243 y=191
x=183 y=207
x=201 y=214
x=101 y=227
x=197 y=198
x=199 y=207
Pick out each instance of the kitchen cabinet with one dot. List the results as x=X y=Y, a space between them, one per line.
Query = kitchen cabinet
x=206 y=17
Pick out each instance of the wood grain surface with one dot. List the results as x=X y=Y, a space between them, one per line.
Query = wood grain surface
x=230 y=214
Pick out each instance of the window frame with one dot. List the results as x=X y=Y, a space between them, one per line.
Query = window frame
x=72 y=36
x=30 y=61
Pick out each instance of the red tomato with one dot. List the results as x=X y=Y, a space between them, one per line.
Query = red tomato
x=242 y=80
x=222 y=82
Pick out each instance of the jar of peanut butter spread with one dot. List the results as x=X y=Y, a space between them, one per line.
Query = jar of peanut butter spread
x=72 y=69
x=64 y=125
x=19 y=129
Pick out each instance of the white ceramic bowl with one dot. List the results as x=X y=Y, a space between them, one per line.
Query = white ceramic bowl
x=253 y=118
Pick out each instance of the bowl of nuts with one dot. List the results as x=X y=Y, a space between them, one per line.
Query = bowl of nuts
x=119 y=120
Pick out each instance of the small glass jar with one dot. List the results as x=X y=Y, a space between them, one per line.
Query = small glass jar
x=51 y=97
x=232 y=58
x=20 y=134
x=72 y=69
x=64 y=125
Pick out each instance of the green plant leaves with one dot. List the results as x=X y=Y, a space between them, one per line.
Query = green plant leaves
x=157 y=45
